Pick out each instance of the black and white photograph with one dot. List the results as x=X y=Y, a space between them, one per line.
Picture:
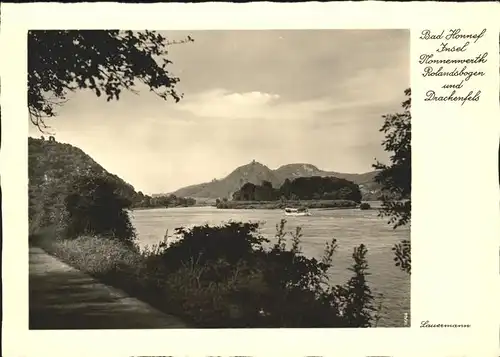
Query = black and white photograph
x=219 y=179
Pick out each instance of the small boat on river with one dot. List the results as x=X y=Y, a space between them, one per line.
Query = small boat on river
x=303 y=211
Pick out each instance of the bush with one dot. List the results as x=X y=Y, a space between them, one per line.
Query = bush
x=364 y=206
x=94 y=207
x=224 y=277
x=45 y=206
x=86 y=205
x=207 y=245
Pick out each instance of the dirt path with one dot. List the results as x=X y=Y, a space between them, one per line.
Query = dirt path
x=62 y=297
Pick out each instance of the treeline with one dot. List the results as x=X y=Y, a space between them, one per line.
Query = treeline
x=146 y=201
x=301 y=188
x=281 y=204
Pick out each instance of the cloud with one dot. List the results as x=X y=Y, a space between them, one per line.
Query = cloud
x=224 y=104
x=221 y=103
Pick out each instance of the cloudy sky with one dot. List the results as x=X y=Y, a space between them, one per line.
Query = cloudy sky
x=277 y=97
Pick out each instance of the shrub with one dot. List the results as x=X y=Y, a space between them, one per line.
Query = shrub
x=94 y=207
x=225 y=277
x=356 y=299
x=45 y=205
x=231 y=242
x=364 y=206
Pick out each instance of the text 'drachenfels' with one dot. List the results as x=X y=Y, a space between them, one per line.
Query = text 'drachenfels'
x=452 y=65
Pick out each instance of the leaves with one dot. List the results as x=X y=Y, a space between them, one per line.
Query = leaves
x=104 y=61
x=402 y=253
x=395 y=178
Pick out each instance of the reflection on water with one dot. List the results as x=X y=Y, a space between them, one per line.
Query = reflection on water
x=349 y=227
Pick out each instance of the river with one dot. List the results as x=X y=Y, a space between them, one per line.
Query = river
x=350 y=227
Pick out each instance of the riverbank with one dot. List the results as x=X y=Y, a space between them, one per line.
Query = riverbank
x=310 y=204
x=162 y=207
x=237 y=286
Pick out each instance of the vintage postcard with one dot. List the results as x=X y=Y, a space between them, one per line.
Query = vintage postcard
x=310 y=179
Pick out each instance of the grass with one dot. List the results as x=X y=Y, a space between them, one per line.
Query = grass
x=113 y=263
x=180 y=293
x=95 y=254
x=339 y=204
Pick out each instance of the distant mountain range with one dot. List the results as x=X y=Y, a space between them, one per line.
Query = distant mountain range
x=256 y=172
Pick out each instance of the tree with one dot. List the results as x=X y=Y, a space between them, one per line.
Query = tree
x=267 y=184
x=247 y=192
x=94 y=206
x=395 y=178
x=345 y=193
x=104 y=61
x=307 y=188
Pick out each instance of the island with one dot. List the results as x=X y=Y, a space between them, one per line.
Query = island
x=308 y=192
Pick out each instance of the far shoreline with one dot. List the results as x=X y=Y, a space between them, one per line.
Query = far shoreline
x=326 y=205
x=277 y=205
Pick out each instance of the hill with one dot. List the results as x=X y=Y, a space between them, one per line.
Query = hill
x=253 y=172
x=54 y=162
x=51 y=165
x=291 y=171
x=256 y=172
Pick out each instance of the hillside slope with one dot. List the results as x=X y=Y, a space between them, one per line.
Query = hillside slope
x=253 y=172
x=57 y=163
x=291 y=171
x=52 y=165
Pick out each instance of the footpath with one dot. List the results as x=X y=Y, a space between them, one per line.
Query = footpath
x=62 y=297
